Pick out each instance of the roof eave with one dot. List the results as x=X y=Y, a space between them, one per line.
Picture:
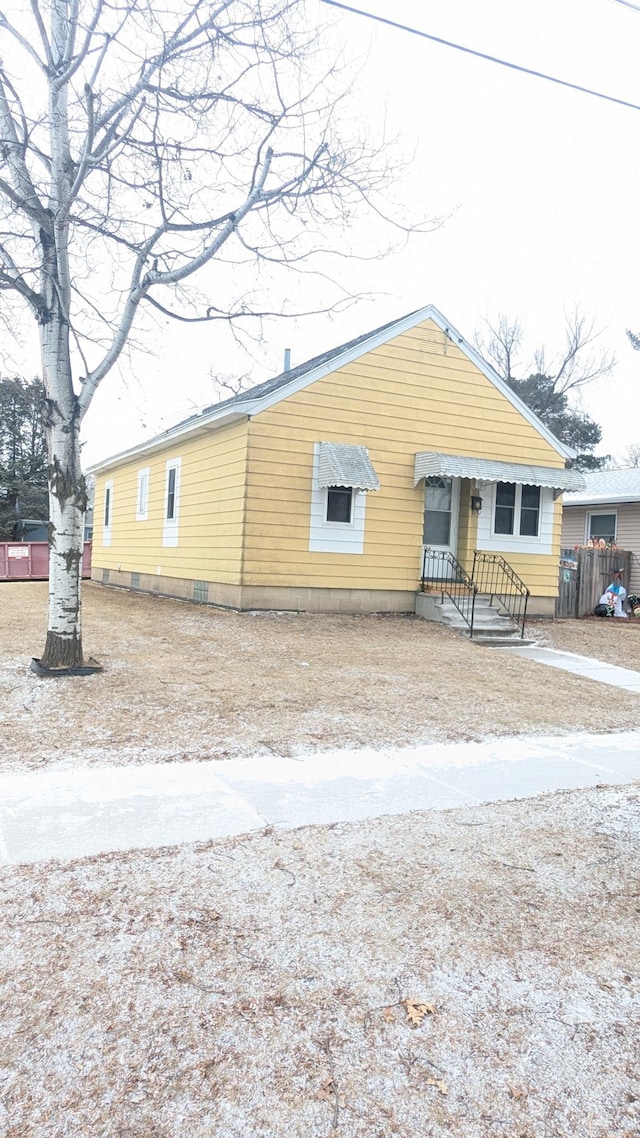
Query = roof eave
x=159 y=442
x=250 y=407
x=610 y=500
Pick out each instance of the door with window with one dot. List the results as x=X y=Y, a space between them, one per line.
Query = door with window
x=441 y=512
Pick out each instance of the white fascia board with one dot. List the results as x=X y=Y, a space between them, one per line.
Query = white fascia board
x=503 y=388
x=249 y=407
x=195 y=426
x=403 y=325
x=609 y=500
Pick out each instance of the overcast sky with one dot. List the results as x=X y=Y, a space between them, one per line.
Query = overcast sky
x=540 y=187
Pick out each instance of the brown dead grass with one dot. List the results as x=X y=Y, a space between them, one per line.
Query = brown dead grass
x=256 y=987
x=192 y=681
x=614 y=641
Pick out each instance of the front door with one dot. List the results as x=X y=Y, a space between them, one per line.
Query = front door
x=441 y=512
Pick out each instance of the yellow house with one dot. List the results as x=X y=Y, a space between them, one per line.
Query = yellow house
x=321 y=489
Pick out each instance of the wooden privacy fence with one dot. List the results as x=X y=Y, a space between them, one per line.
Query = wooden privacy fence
x=29 y=560
x=584 y=576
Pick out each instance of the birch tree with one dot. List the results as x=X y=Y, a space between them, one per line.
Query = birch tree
x=140 y=145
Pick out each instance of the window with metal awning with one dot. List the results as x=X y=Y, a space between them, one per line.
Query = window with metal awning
x=429 y=464
x=342 y=477
x=342 y=464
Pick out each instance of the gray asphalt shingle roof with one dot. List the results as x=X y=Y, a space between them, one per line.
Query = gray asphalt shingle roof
x=607 y=486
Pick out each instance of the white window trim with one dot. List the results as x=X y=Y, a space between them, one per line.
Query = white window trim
x=507 y=543
x=170 y=526
x=334 y=537
x=106 y=529
x=597 y=513
x=143 y=513
x=516 y=535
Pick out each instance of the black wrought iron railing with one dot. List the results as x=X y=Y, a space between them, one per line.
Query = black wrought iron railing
x=494 y=577
x=442 y=573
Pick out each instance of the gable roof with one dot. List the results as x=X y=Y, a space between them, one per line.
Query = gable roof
x=604 y=486
x=265 y=395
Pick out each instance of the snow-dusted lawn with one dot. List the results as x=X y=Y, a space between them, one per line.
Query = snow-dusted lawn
x=190 y=681
x=614 y=641
x=257 y=986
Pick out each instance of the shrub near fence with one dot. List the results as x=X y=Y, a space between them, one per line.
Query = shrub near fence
x=584 y=576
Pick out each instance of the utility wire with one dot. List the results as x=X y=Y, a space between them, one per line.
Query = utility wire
x=483 y=55
x=628 y=4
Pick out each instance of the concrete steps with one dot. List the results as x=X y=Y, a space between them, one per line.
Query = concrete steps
x=491 y=628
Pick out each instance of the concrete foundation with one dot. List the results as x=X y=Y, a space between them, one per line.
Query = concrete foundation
x=266 y=597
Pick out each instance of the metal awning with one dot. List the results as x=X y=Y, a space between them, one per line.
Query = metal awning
x=344 y=465
x=490 y=470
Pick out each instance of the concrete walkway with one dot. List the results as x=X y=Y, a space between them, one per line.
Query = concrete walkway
x=611 y=674
x=74 y=813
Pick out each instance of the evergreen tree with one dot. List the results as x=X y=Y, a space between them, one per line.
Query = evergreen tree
x=550 y=387
x=577 y=430
x=23 y=456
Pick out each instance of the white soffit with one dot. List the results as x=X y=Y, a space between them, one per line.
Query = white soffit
x=341 y=464
x=490 y=470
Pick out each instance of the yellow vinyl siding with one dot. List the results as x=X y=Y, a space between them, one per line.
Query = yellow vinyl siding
x=210 y=510
x=416 y=392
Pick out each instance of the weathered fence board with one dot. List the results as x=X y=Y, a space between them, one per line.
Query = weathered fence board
x=584 y=576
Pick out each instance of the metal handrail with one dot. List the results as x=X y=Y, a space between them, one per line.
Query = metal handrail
x=441 y=568
x=494 y=576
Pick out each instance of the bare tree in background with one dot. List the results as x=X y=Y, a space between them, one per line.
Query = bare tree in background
x=141 y=142
x=580 y=362
x=631 y=456
x=547 y=383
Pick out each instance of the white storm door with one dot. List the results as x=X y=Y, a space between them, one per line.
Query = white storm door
x=441 y=514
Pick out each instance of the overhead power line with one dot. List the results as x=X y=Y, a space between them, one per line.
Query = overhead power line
x=484 y=55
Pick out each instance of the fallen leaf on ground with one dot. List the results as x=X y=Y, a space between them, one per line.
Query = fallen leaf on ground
x=327 y=1092
x=439 y=1083
x=417 y=1011
x=389 y=1015
x=517 y=1093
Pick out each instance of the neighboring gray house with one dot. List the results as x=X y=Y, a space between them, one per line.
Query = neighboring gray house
x=609 y=508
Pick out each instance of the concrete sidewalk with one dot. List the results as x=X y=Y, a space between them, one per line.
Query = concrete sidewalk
x=591 y=669
x=74 y=813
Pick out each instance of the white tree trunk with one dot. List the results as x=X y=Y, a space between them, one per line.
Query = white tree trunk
x=67 y=500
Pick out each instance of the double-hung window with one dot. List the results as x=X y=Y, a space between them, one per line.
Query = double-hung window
x=517 y=510
x=142 y=502
x=107 y=512
x=171 y=502
x=171 y=493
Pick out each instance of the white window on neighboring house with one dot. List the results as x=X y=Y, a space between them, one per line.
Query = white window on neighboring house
x=108 y=512
x=171 y=502
x=602 y=526
x=142 y=500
